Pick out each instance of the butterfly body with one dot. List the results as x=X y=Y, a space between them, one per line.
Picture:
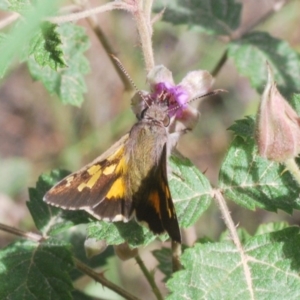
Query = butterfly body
x=128 y=179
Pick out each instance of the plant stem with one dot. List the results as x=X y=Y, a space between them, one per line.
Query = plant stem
x=27 y=235
x=149 y=278
x=220 y=64
x=234 y=235
x=144 y=27
x=176 y=253
x=101 y=279
x=293 y=168
x=80 y=265
x=89 y=12
x=8 y=20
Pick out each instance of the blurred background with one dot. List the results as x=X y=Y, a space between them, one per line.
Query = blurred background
x=38 y=133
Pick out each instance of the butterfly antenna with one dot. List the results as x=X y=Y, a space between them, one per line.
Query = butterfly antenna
x=129 y=78
x=212 y=93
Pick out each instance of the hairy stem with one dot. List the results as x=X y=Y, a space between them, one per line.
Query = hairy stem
x=149 y=278
x=80 y=265
x=90 y=12
x=8 y=20
x=293 y=168
x=101 y=279
x=143 y=22
x=27 y=235
x=234 y=235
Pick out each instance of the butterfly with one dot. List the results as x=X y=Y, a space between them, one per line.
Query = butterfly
x=129 y=179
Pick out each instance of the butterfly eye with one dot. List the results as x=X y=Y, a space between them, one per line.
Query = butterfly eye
x=166 y=121
x=142 y=115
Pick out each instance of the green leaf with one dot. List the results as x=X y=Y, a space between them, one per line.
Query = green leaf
x=29 y=270
x=252 y=181
x=164 y=258
x=271 y=227
x=48 y=219
x=27 y=26
x=244 y=127
x=217 y=271
x=242 y=234
x=190 y=189
x=46 y=47
x=251 y=53
x=119 y=232
x=67 y=83
x=295 y=102
x=20 y=6
x=210 y=16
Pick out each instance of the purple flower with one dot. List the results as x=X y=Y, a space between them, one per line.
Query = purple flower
x=183 y=116
x=176 y=96
x=193 y=85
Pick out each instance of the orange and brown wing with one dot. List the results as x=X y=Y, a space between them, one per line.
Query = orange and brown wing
x=99 y=188
x=153 y=203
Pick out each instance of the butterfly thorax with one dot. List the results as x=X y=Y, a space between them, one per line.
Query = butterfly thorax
x=143 y=151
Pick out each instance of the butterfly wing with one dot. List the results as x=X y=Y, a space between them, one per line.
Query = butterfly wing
x=98 y=188
x=153 y=202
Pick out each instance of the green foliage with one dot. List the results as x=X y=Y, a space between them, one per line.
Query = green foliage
x=19 y=6
x=265 y=266
x=164 y=258
x=119 y=232
x=68 y=83
x=191 y=190
x=208 y=16
x=46 y=47
x=252 y=181
x=23 y=31
x=295 y=101
x=251 y=52
x=31 y=270
x=217 y=270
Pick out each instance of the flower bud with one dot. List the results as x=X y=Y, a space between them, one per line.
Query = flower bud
x=94 y=247
x=124 y=252
x=277 y=125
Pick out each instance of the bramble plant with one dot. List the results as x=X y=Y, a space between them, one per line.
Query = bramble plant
x=259 y=171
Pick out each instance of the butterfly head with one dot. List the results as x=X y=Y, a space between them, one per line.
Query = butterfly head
x=163 y=103
x=158 y=113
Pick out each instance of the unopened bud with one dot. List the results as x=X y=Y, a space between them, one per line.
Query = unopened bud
x=277 y=125
x=124 y=252
x=94 y=247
